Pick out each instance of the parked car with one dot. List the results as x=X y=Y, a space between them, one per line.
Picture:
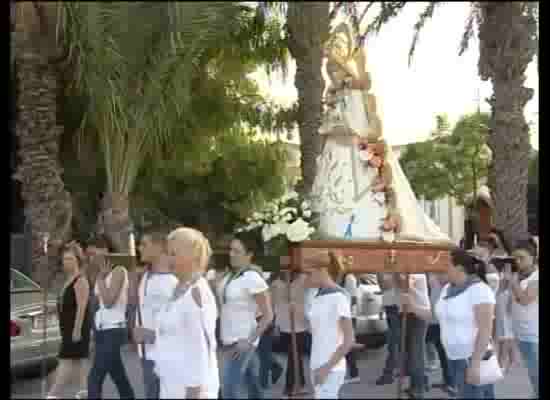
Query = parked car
x=26 y=332
x=371 y=323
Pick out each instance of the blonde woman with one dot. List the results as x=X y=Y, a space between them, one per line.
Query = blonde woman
x=184 y=334
x=74 y=322
x=329 y=316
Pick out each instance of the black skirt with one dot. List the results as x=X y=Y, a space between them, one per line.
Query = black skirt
x=67 y=307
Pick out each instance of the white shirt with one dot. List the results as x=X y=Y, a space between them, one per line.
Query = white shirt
x=185 y=352
x=525 y=319
x=418 y=290
x=324 y=317
x=155 y=290
x=503 y=319
x=435 y=293
x=457 y=319
x=493 y=279
x=239 y=311
x=350 y=284
x=106 y=318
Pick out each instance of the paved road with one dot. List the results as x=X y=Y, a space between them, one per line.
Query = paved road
x=370 y=364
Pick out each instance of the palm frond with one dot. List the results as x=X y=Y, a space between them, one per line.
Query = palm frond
x=388 y=10
x=423 y=17
x=469 y=29
x=136 y=63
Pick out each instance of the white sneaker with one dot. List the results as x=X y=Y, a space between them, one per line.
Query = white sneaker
x=83 y=394
x=352 y=380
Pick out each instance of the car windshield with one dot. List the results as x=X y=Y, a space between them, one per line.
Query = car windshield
x=20 y=282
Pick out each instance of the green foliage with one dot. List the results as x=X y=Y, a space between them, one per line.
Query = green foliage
x=153 y=89
x=228 y=177
x=141 y=66
x=451 y=163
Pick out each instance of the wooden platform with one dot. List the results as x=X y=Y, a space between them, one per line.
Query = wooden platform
x=378 y=256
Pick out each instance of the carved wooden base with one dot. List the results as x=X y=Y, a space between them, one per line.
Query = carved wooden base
x=377 y=256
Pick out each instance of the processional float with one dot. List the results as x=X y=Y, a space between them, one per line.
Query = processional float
x=367 y=210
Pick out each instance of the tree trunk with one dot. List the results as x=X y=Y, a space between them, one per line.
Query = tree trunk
x=507 y=46
x=308 y=25
x=114 y=220
x=47 y=203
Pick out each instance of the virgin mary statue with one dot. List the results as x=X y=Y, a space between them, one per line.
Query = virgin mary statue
x=360 y=190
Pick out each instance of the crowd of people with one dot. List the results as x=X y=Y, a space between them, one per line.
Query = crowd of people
x=216 y=334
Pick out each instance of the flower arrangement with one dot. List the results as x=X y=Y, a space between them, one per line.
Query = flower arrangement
x=288 y=218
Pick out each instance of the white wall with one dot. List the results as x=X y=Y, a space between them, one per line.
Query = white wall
x=447 y=215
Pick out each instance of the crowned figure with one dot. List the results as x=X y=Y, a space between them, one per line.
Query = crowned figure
x=360 y=190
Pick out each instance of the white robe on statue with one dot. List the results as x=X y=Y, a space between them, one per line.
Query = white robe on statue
x=342 y=192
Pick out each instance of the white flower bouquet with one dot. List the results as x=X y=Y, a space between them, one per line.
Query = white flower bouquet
x=288 y=218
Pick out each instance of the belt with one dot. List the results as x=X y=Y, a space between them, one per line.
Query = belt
x=111 y=325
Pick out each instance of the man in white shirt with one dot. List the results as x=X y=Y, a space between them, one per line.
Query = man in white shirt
x=155 y=289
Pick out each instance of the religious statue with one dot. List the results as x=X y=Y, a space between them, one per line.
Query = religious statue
x=360 y=190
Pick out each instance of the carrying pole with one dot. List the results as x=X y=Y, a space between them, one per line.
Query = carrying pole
x=402 y=359
x=44 y=284
x=294 y=345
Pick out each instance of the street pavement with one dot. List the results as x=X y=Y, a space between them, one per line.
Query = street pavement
x=514 y=386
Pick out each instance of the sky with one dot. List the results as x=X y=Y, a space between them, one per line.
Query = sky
x=438 y=80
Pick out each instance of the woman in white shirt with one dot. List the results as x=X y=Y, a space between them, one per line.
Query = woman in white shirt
x=111 y=331
x=184 y=336
x=465 y=312
x=243 y=294
x=524 y=288
x=329 y=316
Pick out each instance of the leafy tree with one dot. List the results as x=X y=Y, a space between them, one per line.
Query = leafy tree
x=453 y=162
x=152 y=71
x=215 y=187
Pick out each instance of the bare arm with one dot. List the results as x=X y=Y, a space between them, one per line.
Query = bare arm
x=484 y=317
x=109 y=295
x=347 y=329
x=82 y=292
x=263 y=301
x=527 y=296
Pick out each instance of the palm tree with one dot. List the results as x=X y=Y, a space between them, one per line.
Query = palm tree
x=508 y=42
x=308 y=28
x=48 y=206
x=139 y=65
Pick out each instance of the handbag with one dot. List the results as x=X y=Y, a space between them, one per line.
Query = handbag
x=490 y=371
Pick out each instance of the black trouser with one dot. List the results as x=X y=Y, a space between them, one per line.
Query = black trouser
x=434 y=336
x=416 y=353
x=267 y=362
x=303 y=347
x=393 y=339
x=351 y=359
x=108 y=360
